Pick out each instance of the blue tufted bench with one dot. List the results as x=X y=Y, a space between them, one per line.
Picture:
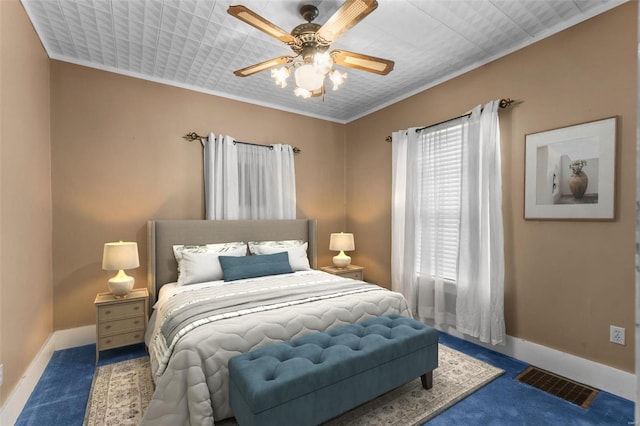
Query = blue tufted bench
x=319 y=376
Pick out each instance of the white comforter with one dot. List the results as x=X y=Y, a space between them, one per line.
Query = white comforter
x=190 y=364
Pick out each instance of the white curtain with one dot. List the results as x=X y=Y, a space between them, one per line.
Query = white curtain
x=480 y=301
x=403 y=224
x=472 y=301
x=221 y=178
x=244 y=181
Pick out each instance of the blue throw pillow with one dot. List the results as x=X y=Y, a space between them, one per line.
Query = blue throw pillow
x=240 y=267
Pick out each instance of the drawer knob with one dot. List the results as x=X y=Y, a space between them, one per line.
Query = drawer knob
x=136 y=308
x=107 y=312
x=137 y=336
x=107 y=327
x=136 y=322
x=107 y=341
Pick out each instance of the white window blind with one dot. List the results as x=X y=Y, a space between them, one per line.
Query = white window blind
x=439 y=169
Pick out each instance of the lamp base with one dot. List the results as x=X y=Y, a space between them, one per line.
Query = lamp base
x=120 y=285
x=341 y=260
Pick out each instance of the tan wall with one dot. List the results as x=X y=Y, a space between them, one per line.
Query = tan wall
x=25 y=195
x=118 y=160
x=566 y=282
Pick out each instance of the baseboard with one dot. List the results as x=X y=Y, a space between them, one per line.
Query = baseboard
x=599 y=376
x=62 y=339
x=18 y=397
x=70 y=338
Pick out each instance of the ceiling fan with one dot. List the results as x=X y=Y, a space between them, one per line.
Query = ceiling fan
x=310 y=42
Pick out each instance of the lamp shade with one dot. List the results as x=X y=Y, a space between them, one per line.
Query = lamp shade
x=119 y=256
x=342 y=241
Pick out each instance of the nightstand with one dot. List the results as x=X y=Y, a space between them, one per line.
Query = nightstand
x=351 y=271
x=120 y=322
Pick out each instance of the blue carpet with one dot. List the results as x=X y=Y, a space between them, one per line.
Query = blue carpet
x=506 y=401
x=60 y=396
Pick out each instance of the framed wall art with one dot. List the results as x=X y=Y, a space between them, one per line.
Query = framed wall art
x=570 y=172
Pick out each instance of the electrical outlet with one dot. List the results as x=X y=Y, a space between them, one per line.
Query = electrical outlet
x=616 y=335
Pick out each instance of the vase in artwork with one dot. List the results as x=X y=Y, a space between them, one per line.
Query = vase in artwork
x=578 y=184
x=578 y=180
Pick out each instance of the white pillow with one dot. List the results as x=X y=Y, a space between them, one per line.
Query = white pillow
x=255 y=246
x=199 y=267
x=297 y=255
x=178 y=250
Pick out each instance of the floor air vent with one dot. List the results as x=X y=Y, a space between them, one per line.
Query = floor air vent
x=561 y=387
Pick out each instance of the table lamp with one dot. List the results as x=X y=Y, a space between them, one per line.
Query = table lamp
x=341 y=242
x=118 y=257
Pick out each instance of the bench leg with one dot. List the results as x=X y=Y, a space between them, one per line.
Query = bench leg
x=427 y=380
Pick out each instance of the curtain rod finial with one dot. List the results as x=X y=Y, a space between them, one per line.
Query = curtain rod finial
x=504 y=103
x=193 y=136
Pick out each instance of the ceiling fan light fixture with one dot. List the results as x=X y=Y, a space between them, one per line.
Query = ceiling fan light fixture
x=337 y=78
x=322 y=62
x=308 y=77
x=303 y=93
x=280 y=75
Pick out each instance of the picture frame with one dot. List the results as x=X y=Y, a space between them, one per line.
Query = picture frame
x=570 y=172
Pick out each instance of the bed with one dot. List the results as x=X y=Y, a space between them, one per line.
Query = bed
x=195 y=329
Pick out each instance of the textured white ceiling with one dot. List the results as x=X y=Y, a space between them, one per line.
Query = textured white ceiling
x=195 y=44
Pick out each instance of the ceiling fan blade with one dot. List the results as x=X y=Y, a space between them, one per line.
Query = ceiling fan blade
x=271 y=63
x=349 y=14
x=362 y=62
x=246 y=15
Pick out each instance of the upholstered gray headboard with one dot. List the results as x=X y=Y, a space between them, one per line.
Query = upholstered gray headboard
x=163 y=234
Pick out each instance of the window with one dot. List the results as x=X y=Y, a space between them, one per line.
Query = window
x=439 y=170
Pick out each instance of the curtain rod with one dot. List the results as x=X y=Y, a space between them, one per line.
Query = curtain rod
x=504 y=103
x=193 y=136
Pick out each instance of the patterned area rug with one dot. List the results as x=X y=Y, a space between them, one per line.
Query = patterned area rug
x=120 y=394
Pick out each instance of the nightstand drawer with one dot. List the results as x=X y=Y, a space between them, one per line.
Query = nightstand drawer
x=122 y=310
x=121 y=340
x=354 y=275
x=118 y=326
